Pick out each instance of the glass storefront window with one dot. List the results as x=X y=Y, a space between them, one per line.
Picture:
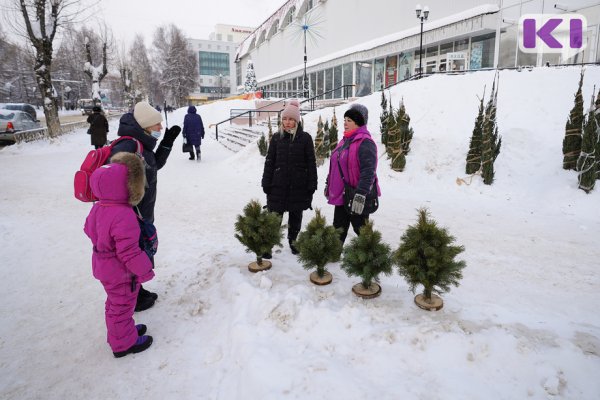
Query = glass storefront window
x=432 y=51
x=446 y=48
x=348 y=77
x=482 y=51
x=329 y=83
x=364 y=74
x=313 y=84
x=461 y=45
x=379 y=73
x=320 y=83
x=337 y=81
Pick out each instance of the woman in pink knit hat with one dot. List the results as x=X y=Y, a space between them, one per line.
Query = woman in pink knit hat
x=290 y=174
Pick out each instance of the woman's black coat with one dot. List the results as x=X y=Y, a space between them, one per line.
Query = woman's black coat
x=290 y=175
x=98 y=129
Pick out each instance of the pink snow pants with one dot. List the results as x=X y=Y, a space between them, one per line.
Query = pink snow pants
x=119 y=307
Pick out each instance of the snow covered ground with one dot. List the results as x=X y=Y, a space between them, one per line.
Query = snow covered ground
x=524 y=323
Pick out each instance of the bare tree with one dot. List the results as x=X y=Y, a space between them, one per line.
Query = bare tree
x=97 y=73
x=41 y=19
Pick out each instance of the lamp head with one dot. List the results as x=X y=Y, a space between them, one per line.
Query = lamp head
x=425 y=12
x=418 y=10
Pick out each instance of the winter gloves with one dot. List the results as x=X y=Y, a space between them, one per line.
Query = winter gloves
x=170 y=136
x=358 y=204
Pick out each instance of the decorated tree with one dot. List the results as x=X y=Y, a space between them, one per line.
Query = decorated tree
x=333 y=133
x=491 y=142
x=426 y=256
x=259 y=230
x=250 y=86
x=474 y=154
x=587 y=163
x=318 y=245
x=262 y=145
x=383 y=118
x=573 y=130
x=367 y=257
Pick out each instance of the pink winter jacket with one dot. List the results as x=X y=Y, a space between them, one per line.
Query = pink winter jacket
x=114 y=230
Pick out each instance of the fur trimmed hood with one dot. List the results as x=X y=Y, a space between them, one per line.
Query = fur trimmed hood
x=136 y=175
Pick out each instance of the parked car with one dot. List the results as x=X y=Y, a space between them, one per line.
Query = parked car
x=28 y=108
x=86 y=106
x=15 y=121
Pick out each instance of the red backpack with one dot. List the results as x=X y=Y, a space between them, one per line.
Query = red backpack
x=94 y=160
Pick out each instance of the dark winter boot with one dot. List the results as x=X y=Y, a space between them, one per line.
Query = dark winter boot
x=141 y=344
x=292 y=247
x=144 y=302
x=198 y=156
x=191 y=156
x=147 y=293
x=141 y=329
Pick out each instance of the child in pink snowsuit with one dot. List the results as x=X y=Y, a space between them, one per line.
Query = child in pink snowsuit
x=117 y=260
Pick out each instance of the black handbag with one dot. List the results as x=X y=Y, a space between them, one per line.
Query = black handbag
x=187 y=147
x=371 y=202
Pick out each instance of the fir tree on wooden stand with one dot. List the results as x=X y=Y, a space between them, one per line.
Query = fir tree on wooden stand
x=393 y=134
x=474 y=154
x=426 y=257
x=333 y=133
x=367 y=257
x=320 y=150
x=406 y=132
x=491 y=142
x=597 y=149
x=383 y=119
x=262 y=145
x=587 y=163
x=573 y=130
x=259 y=230
x=318 y=245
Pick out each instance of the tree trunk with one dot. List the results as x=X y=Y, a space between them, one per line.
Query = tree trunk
x=427 y=294
x=42 y=74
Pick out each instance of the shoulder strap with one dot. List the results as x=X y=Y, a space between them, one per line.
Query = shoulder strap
x=140 y=148
x=339 y=151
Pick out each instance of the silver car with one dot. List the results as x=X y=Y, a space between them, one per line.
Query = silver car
x=14 y=121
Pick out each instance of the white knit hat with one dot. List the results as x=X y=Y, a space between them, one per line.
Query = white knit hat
x=146 y=115
x=292 y=110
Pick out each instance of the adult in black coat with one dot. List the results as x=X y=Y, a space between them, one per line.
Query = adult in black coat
x=290 y=174
x=145 y=125
x=98 y=127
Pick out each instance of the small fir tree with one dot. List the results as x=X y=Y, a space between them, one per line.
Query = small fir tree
x=406 y=132
x=250 y=86
x=320 y=151
x=318 y=245
x=597 y=149
x=474 y=154
x=491 y=142
x=383 y=118
x=426 y=256
x=262 y=145
x=393 y=133
x=586 y=164
x=326 y=129
x=367 y=256
x=573 y=130
x=333 y=133
x=258 y=229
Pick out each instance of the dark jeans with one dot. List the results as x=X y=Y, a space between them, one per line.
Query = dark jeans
x=341 y=219
x=294 y=223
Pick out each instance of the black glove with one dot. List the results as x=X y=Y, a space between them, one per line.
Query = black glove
x=170 y=136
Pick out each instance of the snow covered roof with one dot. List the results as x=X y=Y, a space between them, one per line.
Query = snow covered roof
x=275 y=21
x=394 y=37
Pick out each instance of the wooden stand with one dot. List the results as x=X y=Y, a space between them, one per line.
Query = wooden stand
x=435 y=304
x=317 y=280
x=263 y=266
x=367 y=293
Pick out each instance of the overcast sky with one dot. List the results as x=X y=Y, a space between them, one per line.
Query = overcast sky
x=196 y=18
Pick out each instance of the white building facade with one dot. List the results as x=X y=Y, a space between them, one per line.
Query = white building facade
x=373 y=44
x=216 y=68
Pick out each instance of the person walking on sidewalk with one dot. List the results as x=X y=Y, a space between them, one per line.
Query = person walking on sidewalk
x=193 y=131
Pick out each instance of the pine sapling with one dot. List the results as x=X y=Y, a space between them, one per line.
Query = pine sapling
x=573 y=130
x=474 y=154
x=318 y=245
x=383 y=118
x=262 y=145
x=258 y=229
x=333 y=133
x=586 y=164
x=367 y=256
x=406 y=132
x=320 y=150
x=491 y=142
x=427 y=257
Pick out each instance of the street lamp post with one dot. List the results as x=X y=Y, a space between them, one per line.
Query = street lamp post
x=422 y=14
x=305 y=80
